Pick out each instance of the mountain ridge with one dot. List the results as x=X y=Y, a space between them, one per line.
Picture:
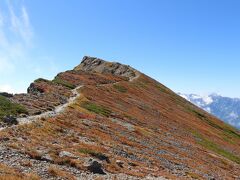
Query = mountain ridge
x=123 y=125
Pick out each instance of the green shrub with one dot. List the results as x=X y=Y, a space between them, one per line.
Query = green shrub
x=120 y=88
x=9 y=108
x=41 y=80
x=59 y=81
x=96 y=108
x=162 y=88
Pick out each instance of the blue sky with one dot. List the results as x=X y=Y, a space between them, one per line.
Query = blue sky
x=191 y=46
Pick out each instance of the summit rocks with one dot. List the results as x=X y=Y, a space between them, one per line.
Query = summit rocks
x=92 y=64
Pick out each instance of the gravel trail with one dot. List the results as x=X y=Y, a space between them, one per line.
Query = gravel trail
x=58 y=109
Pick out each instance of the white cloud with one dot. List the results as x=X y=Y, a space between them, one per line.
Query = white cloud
x=19 y=63
x=14 y=44
x=16 y=36
x=21 y=25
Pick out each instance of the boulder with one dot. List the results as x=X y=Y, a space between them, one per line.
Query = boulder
x=94 y=167
x=65 y=154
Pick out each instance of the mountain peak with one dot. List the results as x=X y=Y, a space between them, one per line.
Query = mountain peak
x=95 y=120
x=94 y=64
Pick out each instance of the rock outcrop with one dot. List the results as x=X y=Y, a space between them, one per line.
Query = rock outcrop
x=92 y=64
x=42 y=96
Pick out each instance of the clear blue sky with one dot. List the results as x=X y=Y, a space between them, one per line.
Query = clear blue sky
x=191 y=46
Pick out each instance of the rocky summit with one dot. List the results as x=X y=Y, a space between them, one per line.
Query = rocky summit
x=106 y=120
x=91 y=64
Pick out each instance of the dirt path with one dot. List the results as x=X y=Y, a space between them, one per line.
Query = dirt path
x=12 y=157
x=58 y=109
x=137 y=76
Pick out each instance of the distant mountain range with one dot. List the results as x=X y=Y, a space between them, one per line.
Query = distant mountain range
x=225 y=108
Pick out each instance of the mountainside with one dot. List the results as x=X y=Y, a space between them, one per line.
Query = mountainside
x=225 y=108
x=105 y=120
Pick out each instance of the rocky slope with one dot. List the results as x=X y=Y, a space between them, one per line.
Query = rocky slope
x=225 y=108
x=121 y=124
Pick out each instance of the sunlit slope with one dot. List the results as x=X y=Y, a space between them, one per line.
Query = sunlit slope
x=132 y=125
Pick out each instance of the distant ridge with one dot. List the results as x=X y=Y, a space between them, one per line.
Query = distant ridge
x=225 y=108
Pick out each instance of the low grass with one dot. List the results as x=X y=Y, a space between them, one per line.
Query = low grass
x=59 y=81
x=120 y=88
x=59 y=174
x=98 y=109
x=198 y=114
x=9 y=108
x=140 y=84
x=193 y=175
x=9 y=173
x=162 y=88
x=215 y=148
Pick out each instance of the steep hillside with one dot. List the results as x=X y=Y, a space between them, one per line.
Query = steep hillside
x=106 y=120
x=225 y=108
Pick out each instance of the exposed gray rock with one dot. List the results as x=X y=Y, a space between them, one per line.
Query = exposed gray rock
x=12 y=158
x=129 y=126
x=65 y=154
x=92 y=64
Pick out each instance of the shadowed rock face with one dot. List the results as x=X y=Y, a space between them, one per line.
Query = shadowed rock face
x=92 y=64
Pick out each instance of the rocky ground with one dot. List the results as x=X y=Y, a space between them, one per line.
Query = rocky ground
x=105 y=120
x=46 y=169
